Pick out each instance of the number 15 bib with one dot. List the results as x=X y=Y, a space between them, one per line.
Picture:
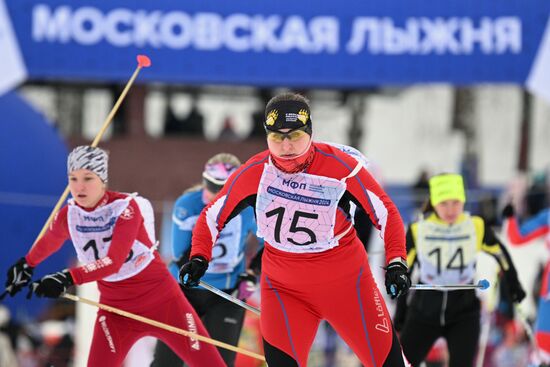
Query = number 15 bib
x=297 y=212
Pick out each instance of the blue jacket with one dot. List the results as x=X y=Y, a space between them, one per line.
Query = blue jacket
x=228 y=254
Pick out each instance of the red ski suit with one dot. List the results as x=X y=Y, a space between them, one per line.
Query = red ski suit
x=298 y=290
x=152 y=293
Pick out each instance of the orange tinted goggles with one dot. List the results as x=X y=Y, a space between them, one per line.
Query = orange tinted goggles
x=292 y=136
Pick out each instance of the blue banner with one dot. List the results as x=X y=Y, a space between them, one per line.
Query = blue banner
x=347 y=43
x=34 y=174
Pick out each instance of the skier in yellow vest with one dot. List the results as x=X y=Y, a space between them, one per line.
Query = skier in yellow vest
x=444 y=244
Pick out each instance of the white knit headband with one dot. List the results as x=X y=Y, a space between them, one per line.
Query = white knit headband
x=87 y=157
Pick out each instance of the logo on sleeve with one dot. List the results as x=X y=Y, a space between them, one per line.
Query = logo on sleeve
x=128 y=213
x=181 y=213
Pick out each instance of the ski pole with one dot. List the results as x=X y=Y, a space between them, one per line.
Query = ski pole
x=163 y=326
x=483 y=284
x=229 y=297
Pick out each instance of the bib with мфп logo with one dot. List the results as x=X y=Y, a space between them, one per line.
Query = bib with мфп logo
x=297 y=212
x=91 y=234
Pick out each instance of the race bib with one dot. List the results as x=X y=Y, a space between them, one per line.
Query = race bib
x=447 y=254
x=297 y=212
x=91 y=234
x=225 y=253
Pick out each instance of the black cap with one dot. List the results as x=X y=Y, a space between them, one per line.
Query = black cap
x=287 y=115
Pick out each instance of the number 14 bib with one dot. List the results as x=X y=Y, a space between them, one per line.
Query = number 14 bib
x=297 y=212
x=447 y=254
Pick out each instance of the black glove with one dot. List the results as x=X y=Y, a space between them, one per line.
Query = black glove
x=508 y=211
x=19 y=275
x=52 y=285
x=246 y=285
x=515 y=290
x=397 y=279
x=192 y=272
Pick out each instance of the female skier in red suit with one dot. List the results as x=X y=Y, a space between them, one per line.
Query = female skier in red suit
x=113 y=235
x=314 y=267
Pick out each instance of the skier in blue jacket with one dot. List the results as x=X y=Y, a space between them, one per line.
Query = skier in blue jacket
x=227 y=271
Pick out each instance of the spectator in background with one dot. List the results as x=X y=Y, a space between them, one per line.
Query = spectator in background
x=421 y=189
x=57 y=326
x=515 y=193
x=513 y=351
x=228 y=131
x=488 y=209
x=7 y=353
x=528 y=194
x=536 y=198
x=258 y=116
x=192 y=124
x=119 y=124
x=535 y=227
